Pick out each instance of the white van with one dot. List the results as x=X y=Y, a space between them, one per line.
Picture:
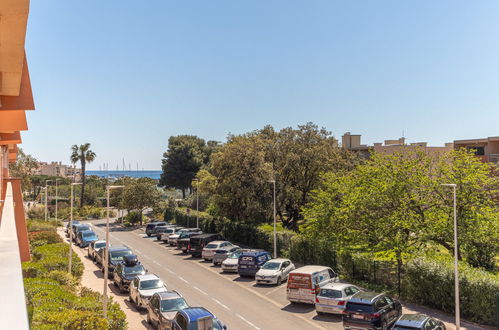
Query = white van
x=305 y=282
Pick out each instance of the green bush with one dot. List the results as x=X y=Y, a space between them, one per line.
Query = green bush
x=50 y=257
x=133 y=217
x=431 y=282
x=41 y=225
x=36 y=212
x=39 y=238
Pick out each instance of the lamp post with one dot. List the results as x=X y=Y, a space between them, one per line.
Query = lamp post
x=197 y=201
x=71 y=228
x=46 y=199
x=456 y=254
x=56 y=198
x=275 y=222
x=106 y=254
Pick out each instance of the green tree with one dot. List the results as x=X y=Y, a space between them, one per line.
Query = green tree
x=140 y=194
x=84 y=155
x=183 y=159
x=24 y=168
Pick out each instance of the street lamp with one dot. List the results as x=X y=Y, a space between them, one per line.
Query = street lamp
x=197 y=201
x=56 y=198
x=275 y=232
x=71 y=228
x=46 y=199
x=456 y=249
x=106 y=255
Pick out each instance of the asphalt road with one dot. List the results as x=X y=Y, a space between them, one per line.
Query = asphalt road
x=238 y=302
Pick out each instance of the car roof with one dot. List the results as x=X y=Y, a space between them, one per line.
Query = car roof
x=86 y=231
x=337 y=286
x=253 y=253
x=165 y=295
x=217 y=242
x=118 y=248
x=102 y=241
x=281 y=260
x=412 y=320
x=365 y=297
x=205 y=235
x=195 y=313
x=147 y=277
x=309 y=269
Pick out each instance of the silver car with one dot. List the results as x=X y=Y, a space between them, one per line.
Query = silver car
x=162 y=308
x=172 y=239
x=210 y=249
x=332 y=298
x=274 y=271
x=170 y=231
x=230 y=264
x=95 y=247
x=143 y=287
x=223 y=253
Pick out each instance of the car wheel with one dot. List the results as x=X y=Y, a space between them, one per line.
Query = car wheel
x=148 y=235
x=279 y=281
x=149 y=319
x=319 y=313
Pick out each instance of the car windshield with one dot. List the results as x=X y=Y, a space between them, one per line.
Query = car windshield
x=134 y=270
x=100 y=245
x=235 y=255
x=329 y=293
x=171 y=305
x=171 y=230
x=355 y=307
x=118 y=255
x=271 y=265
x=150 y=284
x=82 y=228
x=88 y=234
x=184 y=235
x=211 y=246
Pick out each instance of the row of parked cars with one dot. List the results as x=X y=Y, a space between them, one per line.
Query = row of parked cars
x=317 y=285
x=166 y=309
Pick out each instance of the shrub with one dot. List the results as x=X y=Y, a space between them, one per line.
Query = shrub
x=39 y=238
x=36 y=212
x=50 y=257
x=41 y=225
x=431 y=282
x=133 y=217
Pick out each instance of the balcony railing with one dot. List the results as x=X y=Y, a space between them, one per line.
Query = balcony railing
x=13 y=312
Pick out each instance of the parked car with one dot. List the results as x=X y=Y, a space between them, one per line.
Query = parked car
x=72 y=230
x=126 y=271
x=83 y=238
x=305 y=282
x=162 y=308
x=172 y=239
x=230 y=264
x=170 y=231
x=250 y=262
x=370 y=310
x=211 y=247
x=159 y=230
x=79 y=228
x=418 y=321
x=115 y=256
x=75 y=222
x=199 y=242
x=194 y=318
x=223 y=253
x=151 y=226
x=332 y=298
x=143 y=287
x=184 y=240
x=94 y=248
x=274 y=271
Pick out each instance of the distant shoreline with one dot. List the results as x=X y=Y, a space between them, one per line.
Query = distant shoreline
x=153 y=174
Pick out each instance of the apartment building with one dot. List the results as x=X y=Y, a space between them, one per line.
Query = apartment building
x=58 y=169
x=487 y=149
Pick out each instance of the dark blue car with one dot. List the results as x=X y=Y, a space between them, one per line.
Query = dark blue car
x=85 y=237
x=194 y=318
x=250 y=262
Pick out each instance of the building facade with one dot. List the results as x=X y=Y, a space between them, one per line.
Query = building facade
x=487 y=149
x=58 y=169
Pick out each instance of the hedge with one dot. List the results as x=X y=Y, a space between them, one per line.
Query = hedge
x=39 y=238
x=50 y=257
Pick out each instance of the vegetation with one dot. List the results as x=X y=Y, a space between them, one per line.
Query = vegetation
x=84 y=155
x=24 y=168
x=139 y=194
x=55 y=298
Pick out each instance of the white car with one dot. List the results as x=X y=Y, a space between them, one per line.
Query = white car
x=209 y=250
x=95 y=247
x=230 y=264
x=332 y=298
x=143 y=287
x=172 y=239
x=274 y=271
x=168 y=232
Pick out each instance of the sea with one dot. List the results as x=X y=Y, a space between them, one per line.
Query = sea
x=133 y=174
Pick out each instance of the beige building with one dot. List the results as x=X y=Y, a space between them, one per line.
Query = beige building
x=58 y=169
x=487 y=149
x=352 y=142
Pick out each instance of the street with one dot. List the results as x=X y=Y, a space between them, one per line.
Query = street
x=238 y=302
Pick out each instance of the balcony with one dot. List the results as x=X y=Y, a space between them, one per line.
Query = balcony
x=13 y=312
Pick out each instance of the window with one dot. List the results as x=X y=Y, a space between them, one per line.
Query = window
x=285 y=264
x=479 y=151
x=328 y=293
x=136 y=282
x=331 y=273
x=181 y=321
x=171 y=305
x=351 y=290
x=151 y=284
x=381 y=303
x=155 y=302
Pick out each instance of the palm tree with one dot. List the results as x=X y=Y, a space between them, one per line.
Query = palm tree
x=84 y=155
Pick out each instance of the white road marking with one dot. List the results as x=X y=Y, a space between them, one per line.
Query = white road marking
x=183 y=279
x=242 y=318
x=218 y=302
x=195 y=287
x=272 y=291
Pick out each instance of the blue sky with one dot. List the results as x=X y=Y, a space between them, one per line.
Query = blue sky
x=125 y=75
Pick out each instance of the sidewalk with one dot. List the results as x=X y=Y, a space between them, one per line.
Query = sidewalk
x=93 y=278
